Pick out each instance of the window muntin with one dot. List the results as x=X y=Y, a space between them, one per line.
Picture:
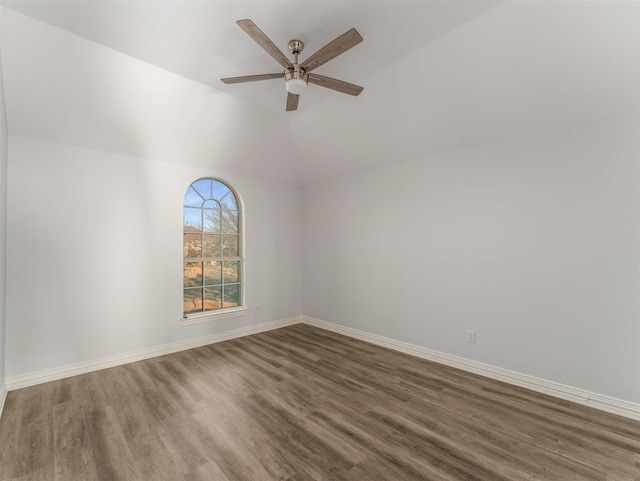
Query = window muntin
x=212 y=248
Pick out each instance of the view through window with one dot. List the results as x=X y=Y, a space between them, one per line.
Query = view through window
x=212 y=247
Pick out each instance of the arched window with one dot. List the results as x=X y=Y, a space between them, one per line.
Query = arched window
x=212 y=249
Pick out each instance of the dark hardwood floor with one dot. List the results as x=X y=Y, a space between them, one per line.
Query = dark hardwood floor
x=303 y=404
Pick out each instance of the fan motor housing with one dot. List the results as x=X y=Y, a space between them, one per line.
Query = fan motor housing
x=297 y=72
x=296 y=79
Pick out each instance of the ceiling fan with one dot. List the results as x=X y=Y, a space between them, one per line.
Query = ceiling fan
x=297 y=75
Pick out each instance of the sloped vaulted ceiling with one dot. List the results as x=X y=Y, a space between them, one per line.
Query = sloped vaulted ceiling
x=142 y=78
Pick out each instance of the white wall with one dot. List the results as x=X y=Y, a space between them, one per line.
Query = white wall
x=94 y=254
x=533 y=242
x=3 y=229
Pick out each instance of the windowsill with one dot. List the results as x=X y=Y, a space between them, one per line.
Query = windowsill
x=213 y=316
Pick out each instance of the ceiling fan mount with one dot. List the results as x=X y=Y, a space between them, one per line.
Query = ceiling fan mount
x=296 y=47
x=297 y=75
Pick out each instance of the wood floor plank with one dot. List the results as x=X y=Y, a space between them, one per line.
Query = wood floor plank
x=250 y=436
x=373 y=469
x=73 y=456
x=303 y=404
x=491 y=441
x=33 y=448
x=207 y=472
x=34 y=452
x=42 y=474
x=9 y=432
x=110 y=451
x=519 y=424
x=184 y=447
x=176 y=398
x=227 y=451
x=286 y=430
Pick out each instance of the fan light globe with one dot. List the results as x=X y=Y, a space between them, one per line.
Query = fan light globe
x=296 y=86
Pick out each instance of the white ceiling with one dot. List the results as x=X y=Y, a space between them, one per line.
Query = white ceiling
x=142 y=78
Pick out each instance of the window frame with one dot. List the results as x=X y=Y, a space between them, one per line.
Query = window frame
x=222 y=313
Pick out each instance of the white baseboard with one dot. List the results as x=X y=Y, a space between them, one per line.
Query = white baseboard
x=3 y=396
x=579 y=396
x=31 y=379
x=598 y=401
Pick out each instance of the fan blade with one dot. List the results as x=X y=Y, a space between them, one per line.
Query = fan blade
x=252 y=78
x=335 y=84
x=338 y=46
x=261 y=39
x=292 y=102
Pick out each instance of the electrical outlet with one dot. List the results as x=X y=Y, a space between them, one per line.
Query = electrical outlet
x=471 y=337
